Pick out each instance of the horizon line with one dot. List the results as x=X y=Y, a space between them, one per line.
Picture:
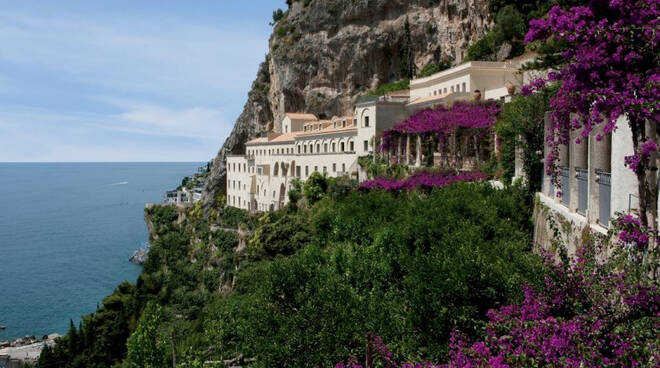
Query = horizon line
x=102 y=162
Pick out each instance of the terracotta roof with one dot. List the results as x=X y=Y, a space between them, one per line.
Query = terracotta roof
x=399 y=93
x=279 y=138
x=422 y=100
x=330 y=130
x=257 y=140
x=289 y=137
x=301 y=116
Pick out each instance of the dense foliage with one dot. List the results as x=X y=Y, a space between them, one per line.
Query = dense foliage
x=588 y=313
x=366 y=267
x=313 y=281
x=421 y=180
x=521 y=125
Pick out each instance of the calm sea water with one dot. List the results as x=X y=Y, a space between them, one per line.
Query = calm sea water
x=66 y=233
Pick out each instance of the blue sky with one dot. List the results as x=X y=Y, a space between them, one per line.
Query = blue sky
x=121 y=80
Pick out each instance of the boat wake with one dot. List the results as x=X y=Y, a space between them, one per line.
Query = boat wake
x=120 y=183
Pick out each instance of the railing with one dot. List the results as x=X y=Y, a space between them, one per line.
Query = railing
x=631 y=207
x=604 y=197
x=566 y=186
x=582 y=177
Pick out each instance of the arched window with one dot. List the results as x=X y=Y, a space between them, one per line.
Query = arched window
x=342 y=147
x=351 y=146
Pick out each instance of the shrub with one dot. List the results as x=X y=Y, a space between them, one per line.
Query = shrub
x=315 y=187
x=409 y=266
x=390 y=87
x=433 y=68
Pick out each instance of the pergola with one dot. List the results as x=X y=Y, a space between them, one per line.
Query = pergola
x=463 y=133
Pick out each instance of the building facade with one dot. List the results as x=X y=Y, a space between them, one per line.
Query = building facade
x=595 y=185
x=259 y=180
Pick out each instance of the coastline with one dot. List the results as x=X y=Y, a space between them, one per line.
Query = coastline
x=25 y=349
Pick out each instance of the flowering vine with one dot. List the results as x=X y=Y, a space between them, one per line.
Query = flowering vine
x=443 y=120
x=611 y=71
x=585 y=315
x=421 y=179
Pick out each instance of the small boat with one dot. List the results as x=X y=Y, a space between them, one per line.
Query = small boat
x=2 y=327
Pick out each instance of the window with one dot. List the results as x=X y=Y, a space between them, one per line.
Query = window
x=334 y=167
x=305 y=128
x=305 y=148
x=334 y=147
x=452 y=89
x=297 y=171
x=325 y=169
x=341 y=147
x=435 y=93
x=335 y=124
x=444 y=90
x=464 y=87
x=316 y=168
x=351 y=145
x=325 y=147
x=318 y=148
x=298 y=149
x=343 y=167
x=306 y=170
x=366 y=145
x=366 y=121
x=343 y=124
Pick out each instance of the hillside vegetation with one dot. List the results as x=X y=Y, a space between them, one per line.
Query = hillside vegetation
x=315 y=280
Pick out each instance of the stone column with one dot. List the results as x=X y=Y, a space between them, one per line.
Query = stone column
x=407 y=149
x=398 y=150
x=418 y=157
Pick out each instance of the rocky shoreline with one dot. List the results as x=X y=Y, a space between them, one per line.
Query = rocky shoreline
x=140 y=255
x=26 y=349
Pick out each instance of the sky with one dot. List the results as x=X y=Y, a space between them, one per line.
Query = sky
x=126 y=80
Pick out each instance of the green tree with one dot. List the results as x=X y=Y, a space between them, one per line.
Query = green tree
x=277 y=16
x=521 y=124
x=315 y=188
x=295 y=191
x=406 y=54
x=146 y=348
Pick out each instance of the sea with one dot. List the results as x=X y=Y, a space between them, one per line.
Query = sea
x=67 y=231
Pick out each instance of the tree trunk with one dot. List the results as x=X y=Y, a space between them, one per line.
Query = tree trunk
x=647 y=180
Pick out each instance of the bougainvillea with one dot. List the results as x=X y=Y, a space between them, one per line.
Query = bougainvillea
x=632 y=232
x=586 y=315
x=477 y=116
x=421 y=179
x=611 y=70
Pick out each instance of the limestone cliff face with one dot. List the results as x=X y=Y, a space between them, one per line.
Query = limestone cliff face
x=323 y=56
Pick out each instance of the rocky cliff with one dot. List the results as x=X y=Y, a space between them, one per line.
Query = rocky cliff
x=325 y=53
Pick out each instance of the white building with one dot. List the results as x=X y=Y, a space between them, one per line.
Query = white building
x=259 y=179
x=595 y=185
